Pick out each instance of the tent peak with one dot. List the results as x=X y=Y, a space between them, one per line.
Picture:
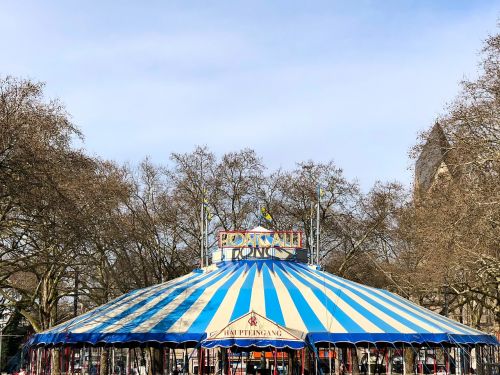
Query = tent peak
x=259 y=229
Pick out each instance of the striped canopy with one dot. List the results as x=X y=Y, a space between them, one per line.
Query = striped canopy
x=260 y=303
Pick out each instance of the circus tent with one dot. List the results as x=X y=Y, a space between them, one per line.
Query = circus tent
x=260 y=303
x=261 y=295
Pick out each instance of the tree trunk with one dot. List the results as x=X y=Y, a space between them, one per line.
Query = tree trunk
x=337 y=361
x=103 y=368
x=168 y=365
x=355 y=361
x=55 y=369
x=409 y=355
x=155 y=361
x=479 y=360
x=290 y=362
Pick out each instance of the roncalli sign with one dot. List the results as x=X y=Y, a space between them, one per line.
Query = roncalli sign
x=261 y=240
x=260 y=244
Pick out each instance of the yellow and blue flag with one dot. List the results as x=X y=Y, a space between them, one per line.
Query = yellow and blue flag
x=321 y=192
x=209 y=213
x=266 y=214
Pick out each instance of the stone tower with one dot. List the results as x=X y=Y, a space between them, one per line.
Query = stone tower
x=433 y=162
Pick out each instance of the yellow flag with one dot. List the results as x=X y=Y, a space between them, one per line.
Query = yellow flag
x=266 y=214
x=321 y=192
x=210 y=216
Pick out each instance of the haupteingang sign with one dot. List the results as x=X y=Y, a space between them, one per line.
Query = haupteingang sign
x=255 y=326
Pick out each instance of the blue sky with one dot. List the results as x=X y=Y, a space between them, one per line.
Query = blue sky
x=352 y=81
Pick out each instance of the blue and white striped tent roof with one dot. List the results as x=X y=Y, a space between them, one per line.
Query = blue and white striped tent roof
x=309 y=305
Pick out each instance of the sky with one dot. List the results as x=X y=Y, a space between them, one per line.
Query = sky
x=350 y=81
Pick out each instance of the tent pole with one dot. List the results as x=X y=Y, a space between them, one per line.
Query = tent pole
x=275 y=355
x=423 y=361
x=50 y=359
x=89 y=361
x=65 y=352
x=62 y=357
x=349 y=360
x=479 y=359
x=168 y=363
x=311 y=236
x=31 y=356
x=202 y=241
x=112 y=359
x=282 y=360
x=388 y=360
x=208 y=359
x=404 y=360
x=446 y=361
x=317 y=231
x=127 y=362
x=336 y=357
x=368 y=361
x=219 y=362
x=199 y=361
x=435 y=359
x=315 y=357
x=222 y=362
x=72 y=361
x=206 y=237
x=174 y=358
x=37 y=367
x=40 y=359
x=31 y=368
x=79 y=362
x=98 y=364
x=330 y=358
x=376 y=359
x=137 y=362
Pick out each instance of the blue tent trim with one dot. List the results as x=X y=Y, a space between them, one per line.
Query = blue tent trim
x=395 y=338
x=315 y=337
x=113 y=338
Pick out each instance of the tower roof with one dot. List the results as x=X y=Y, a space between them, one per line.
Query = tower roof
x=434 y=153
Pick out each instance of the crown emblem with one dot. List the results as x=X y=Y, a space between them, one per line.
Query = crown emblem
x=253 y=320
